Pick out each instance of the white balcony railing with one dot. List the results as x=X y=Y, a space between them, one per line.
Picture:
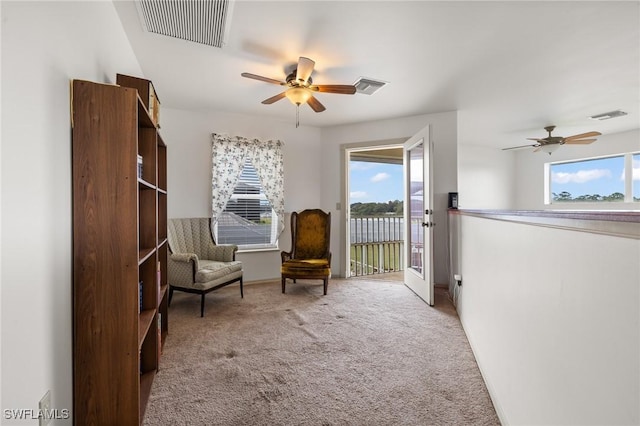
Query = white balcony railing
x=377 y=245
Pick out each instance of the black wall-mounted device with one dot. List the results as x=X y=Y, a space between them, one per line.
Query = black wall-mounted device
x=453 y=200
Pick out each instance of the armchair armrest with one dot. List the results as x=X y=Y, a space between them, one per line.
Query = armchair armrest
x=184 y=257
x=182 y=269
x=285 y=255
x=222 y=253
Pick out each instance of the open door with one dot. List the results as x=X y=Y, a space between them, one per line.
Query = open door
x=418 y=214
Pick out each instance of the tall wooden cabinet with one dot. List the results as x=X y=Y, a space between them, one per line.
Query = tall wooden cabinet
x=120 y=317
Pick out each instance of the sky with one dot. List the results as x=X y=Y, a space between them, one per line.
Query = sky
x=375 y=182
x=379 y=182
x=600 y=176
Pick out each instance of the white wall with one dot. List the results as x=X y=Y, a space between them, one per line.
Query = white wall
x=485 y=178
x=443 y=133
x=44 y=45
x=554 y=323
x=188 y=138
x=529 y=171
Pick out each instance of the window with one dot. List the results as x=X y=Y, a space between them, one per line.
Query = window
x=635 y=176
x=247 y=191
x=248 y=219
x=599 y=180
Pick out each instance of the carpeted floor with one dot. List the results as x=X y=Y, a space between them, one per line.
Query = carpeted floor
x=368 y=353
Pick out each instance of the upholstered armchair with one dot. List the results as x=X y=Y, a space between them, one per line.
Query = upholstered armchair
x=196 y=264
x=309 y=257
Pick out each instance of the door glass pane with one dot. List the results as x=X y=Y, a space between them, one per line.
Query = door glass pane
x=416 y=207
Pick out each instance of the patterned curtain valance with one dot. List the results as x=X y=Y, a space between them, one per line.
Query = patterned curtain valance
x=228 y=156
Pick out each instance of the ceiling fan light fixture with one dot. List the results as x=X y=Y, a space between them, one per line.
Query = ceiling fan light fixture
x=550 y=148
x=298 y=95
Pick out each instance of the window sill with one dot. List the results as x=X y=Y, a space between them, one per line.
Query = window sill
x=257 y=250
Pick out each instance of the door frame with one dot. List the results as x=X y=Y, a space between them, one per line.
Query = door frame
x=345 y=153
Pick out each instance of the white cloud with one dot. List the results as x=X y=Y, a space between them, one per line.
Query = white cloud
x=358 y=194
x=581 y=176
x=379 y=177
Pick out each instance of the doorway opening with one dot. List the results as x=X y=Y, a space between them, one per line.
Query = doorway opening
x=374 y=210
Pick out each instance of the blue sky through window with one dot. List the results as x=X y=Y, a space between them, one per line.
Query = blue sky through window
x=375 y=182
x=603 y=176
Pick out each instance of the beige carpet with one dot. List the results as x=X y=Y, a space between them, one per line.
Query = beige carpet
x=368 y=353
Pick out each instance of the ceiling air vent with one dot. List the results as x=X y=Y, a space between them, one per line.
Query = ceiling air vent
x=368 y=86
x=608 y=115
x=202 y=21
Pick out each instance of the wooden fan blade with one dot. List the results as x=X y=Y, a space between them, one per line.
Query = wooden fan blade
x=315 y=104
x=521 y=146
x=261 y=78
x=305 y=68
x=582 y=136
x=579 y=141
x=274 y=98
x=343 y=89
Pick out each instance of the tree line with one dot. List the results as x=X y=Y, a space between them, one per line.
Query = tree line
x=566 y=196
x=377 y=209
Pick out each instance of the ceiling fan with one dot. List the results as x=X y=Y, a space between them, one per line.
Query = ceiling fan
x=551 y=143
x=300 y=87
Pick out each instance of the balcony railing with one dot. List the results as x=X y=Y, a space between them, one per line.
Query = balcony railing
x=377 y=245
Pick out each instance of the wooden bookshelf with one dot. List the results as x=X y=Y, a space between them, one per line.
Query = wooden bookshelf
x=147 y=92
x=119 y=241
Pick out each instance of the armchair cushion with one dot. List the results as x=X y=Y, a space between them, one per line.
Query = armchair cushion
x=210 y=271
x=312 y=240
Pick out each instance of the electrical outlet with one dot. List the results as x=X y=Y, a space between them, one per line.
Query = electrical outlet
x=458 y=278
x=44 y=407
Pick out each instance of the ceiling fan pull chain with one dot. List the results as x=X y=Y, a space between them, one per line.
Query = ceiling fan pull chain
x=297 y=115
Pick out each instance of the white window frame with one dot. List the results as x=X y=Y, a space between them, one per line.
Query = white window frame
x=628 y=180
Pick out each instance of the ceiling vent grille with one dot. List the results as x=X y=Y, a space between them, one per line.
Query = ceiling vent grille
x=368 y=86
x=608 y=115
x=199 y=21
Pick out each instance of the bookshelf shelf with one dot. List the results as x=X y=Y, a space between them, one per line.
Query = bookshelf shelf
x=144 y=323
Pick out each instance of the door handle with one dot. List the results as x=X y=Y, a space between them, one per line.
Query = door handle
x=428 y=224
